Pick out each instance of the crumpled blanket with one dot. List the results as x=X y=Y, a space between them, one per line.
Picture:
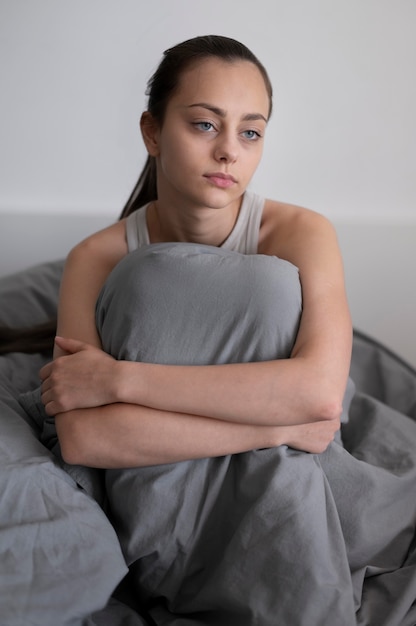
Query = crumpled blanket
x=272 y=537
x=53 y=571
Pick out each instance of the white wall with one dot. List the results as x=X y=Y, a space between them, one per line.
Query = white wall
x=342 y=139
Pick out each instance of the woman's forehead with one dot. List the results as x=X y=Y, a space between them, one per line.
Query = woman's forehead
x=223 y=83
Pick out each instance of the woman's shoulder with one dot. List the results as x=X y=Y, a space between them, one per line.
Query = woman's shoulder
x=285 y=212
x=282 y=222
x=108 y=244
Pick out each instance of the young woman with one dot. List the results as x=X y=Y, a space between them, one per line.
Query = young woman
x=209 y=104
x=203 y=352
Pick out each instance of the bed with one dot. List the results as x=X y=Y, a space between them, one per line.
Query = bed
x=63 y=554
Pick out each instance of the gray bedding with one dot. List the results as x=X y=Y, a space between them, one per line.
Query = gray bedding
x=272 y=537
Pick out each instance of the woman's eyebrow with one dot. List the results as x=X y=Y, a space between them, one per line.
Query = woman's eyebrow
x=223 y=113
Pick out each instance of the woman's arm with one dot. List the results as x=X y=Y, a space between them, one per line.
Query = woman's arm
x=124 y=435
x=307 y=387
x=129 y=435
x=85 y=272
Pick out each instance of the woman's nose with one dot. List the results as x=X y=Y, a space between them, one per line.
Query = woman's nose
x=226 y=149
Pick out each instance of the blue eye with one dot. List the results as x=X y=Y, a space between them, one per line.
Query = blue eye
x=251 y=135
x=205 y=126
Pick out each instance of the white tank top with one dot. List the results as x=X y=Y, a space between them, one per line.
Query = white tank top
x=243 y=238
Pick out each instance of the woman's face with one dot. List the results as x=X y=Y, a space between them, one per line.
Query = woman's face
x=211 y=140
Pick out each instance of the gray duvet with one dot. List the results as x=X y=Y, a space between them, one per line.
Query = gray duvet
x=272 y=537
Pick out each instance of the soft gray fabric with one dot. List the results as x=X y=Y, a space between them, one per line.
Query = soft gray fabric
x=193 y=304
x=27 y=298
x=30 y=296
x=263 y=538
x=53 y=571
x=89 y=478
x=271 y=536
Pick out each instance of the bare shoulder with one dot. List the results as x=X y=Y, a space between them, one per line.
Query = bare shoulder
x=86 y=268
x=286 y=226
x=90 y=262
x=107 y=246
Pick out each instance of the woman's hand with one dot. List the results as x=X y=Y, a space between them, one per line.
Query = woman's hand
x=314 y=437
x=83 y=377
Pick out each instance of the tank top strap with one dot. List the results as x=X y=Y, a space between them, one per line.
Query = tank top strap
x=136 y=229
x=244 y=237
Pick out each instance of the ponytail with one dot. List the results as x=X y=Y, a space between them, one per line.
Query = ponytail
x=145 y=189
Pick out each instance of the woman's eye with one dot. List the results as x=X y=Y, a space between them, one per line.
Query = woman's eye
x=205 y=126
x=251 y=134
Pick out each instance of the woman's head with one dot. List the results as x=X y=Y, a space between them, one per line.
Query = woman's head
x=164 y=83
x=181 y=57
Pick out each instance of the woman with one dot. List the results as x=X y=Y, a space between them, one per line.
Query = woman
x=203 y=350
x=209 y=104
x=206 y=323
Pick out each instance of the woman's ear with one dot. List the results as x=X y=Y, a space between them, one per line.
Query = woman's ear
x=150 y=133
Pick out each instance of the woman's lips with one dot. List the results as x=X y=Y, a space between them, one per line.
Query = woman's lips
x=221 y=180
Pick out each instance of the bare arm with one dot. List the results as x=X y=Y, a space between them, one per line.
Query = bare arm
x=307 y=388
x=123 y=435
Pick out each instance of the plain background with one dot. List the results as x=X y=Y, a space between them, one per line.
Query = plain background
x=342 y=139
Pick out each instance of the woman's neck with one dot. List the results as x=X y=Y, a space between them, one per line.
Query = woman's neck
x=205 y=226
